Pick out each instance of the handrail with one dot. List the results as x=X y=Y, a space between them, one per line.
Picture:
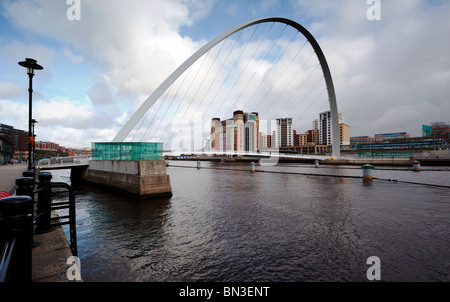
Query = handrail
x=6 y=257
x=72 y=160
x=16 y=236
x=71 y=216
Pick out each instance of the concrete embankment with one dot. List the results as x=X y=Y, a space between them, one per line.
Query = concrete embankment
x=387 y=162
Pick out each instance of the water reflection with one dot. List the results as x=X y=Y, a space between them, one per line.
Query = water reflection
x=225 y=225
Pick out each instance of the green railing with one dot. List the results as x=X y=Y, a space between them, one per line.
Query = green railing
x=127 y=151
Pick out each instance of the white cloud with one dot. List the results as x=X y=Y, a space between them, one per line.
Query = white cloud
x=73 y=57
x=386 y=71
x=399 y=62
x=10 y=90
x=135 y=43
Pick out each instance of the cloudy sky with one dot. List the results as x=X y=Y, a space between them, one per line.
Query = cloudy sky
x=390 y=75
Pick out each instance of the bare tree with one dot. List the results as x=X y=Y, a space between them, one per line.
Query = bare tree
x=441 y=130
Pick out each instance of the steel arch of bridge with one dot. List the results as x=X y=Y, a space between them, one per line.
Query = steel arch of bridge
x=136 y=117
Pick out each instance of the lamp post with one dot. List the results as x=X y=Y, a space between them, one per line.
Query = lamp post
x=34 y=122
x=30 y=65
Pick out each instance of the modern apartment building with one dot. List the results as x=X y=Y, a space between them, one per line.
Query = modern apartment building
x=323 y=126
x=284 y=133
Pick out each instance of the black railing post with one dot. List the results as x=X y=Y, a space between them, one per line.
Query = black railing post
x=44 y=202
x=28 y=173
x=16 y=233
x=25 y=186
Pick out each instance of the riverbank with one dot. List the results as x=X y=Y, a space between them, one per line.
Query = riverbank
x=374 y=161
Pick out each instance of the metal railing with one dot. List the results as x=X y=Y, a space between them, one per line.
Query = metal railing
x=17 y=219
x=45 y=205
x=64 y=161
x=16 y=236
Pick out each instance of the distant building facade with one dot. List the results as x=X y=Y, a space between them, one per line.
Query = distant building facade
x=20 y=141
x=238 y=134
x=391 y=136
x=321 y=132
x=284 y=133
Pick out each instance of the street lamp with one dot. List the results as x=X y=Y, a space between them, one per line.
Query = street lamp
x=34 y=122
x=30 y=65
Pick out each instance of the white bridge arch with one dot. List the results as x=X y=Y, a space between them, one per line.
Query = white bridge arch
x=123 y=133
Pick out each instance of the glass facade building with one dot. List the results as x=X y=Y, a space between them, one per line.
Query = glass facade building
x=127 y=151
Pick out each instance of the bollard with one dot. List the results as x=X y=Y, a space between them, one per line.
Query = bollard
x=198 y=165
x=44 y=202
x=25 y=186
x=416 y=166
x=28 y=173
x=252 y=167
x=367 y=172
x=316 y=163
x=16 y=236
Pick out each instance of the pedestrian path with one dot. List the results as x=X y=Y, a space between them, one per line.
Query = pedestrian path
x=8 y=175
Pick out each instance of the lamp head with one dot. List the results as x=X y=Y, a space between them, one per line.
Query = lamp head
x=31 y=65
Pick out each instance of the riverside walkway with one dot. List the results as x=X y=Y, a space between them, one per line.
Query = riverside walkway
x=50 y=255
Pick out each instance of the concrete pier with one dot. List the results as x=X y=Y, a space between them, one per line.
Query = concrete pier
x=145 y=178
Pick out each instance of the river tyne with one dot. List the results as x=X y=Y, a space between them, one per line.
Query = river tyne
x=224 y=223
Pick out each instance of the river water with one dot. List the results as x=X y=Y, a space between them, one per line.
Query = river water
x=227 y=224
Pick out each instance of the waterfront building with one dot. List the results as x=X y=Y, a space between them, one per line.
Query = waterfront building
x=78 y=151
x=20 y=138
x=344 y=134
x=310 y=136
x=216 y=130
x=238 y=134
x=390 y=136
x=263 y=141
x=315 y=131
x=325 y=128
x=6 y=148
x=251 y=128
x=269 y=141
x=355 y=140
x=322 y=127
x=426 y=130
x=230 y=135
x=207 y=146
x=284 y=133
x=308 y=149
x=47 y=146
x=441 y=132
x=300 y=139
x=238 y=120
x=437 y=130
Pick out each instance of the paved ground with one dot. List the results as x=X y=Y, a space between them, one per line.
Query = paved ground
x=8 y=175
